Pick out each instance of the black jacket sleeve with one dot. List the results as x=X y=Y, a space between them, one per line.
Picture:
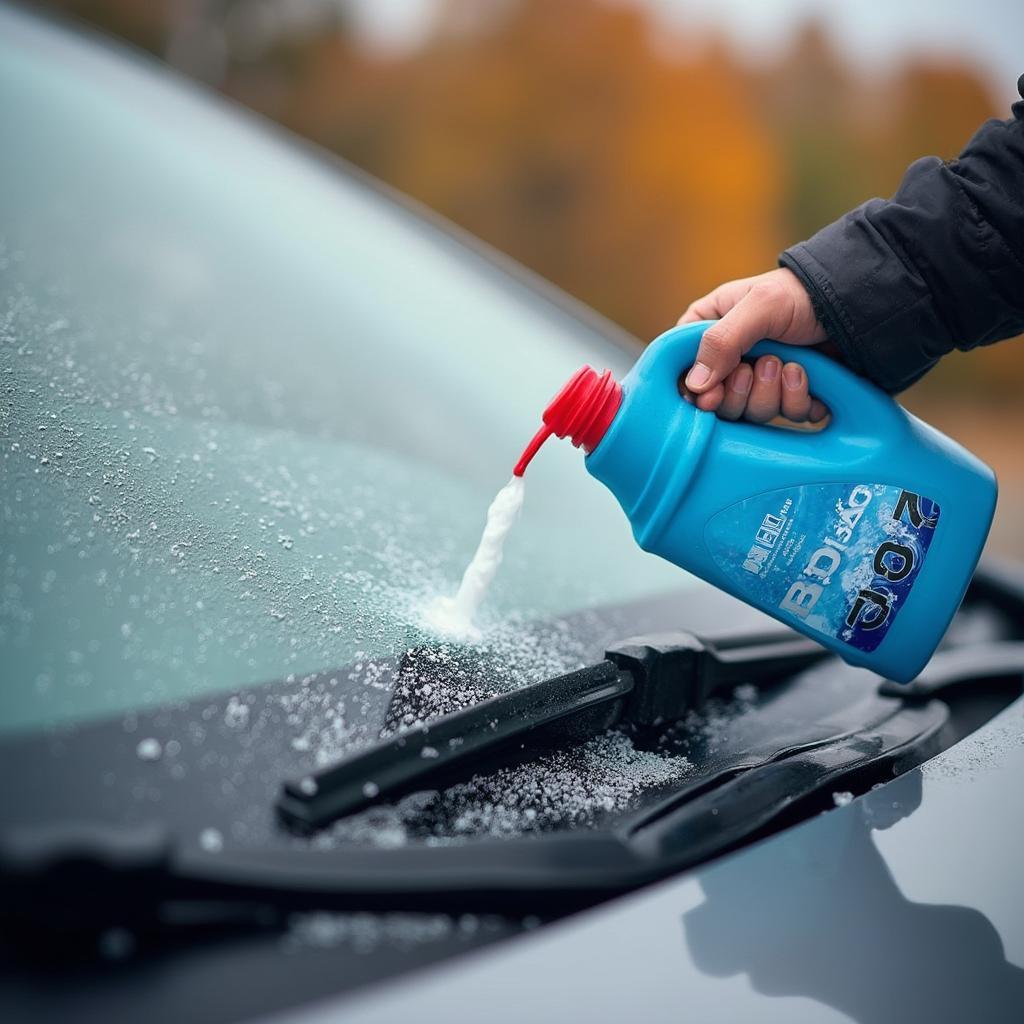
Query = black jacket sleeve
x=898 y=283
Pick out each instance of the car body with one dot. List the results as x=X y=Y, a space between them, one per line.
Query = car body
x=254 y=409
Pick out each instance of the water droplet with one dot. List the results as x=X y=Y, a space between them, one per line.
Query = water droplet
x=149 y=749
x=211 y=840
x=236 y=713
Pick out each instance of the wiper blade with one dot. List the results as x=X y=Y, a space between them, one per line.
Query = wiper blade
x=645 y=682
x=63 y=885
x=413 y=759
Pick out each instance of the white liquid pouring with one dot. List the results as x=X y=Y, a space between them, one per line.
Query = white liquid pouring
x=455 y=616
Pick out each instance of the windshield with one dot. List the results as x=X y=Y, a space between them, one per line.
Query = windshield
x=253 y=412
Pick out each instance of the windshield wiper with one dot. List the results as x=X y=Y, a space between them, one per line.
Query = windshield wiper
x=646 y=682
x=64 y=884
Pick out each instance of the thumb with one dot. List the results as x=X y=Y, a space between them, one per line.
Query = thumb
x=726 y=342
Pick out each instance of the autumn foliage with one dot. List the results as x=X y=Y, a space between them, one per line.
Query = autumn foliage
x=632 y=167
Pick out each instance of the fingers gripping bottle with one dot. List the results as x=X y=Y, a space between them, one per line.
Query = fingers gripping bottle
x=862 y=535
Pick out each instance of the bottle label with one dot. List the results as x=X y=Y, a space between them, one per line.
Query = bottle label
x=839 y=558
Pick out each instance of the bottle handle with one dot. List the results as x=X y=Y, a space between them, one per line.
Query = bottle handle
x=853 y=401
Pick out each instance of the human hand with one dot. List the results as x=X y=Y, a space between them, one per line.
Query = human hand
x=773 y=305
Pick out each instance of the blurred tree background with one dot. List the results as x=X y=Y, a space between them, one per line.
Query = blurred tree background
x=633 y=166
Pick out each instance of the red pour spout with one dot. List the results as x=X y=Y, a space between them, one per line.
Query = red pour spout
x=582 y=411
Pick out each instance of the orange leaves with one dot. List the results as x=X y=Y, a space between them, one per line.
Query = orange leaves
x=635 y=170
x=561 y=134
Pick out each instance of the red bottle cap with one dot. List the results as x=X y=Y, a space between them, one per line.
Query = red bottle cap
x=582 y=411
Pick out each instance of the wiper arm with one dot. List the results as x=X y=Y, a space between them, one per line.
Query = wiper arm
x=647 y=682
x=61 y=885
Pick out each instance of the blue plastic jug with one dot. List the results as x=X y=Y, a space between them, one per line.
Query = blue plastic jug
x=862 y=535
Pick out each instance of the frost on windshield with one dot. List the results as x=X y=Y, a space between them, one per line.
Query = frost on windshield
x=160 y=547
x=157 y=547
x=251 y=417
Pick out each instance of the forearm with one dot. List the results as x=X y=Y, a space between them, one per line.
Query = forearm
x=899 y=283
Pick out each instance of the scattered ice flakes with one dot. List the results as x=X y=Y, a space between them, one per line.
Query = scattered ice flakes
x=336 y=543
x=308 y=785
x=211 y=840
x=842 y=798
x=149 y=749
x=365 y=933
x=709 y=726
x=236 y=713
x=370 y=790
x=382 y=827
x=429 y=752
x=180 y=549
x=566 y=788
x=988 y=749
x=457 y=681
x=746 y=692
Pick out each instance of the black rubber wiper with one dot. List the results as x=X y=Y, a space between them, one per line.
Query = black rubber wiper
x=646 y=682
x=64 y=884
